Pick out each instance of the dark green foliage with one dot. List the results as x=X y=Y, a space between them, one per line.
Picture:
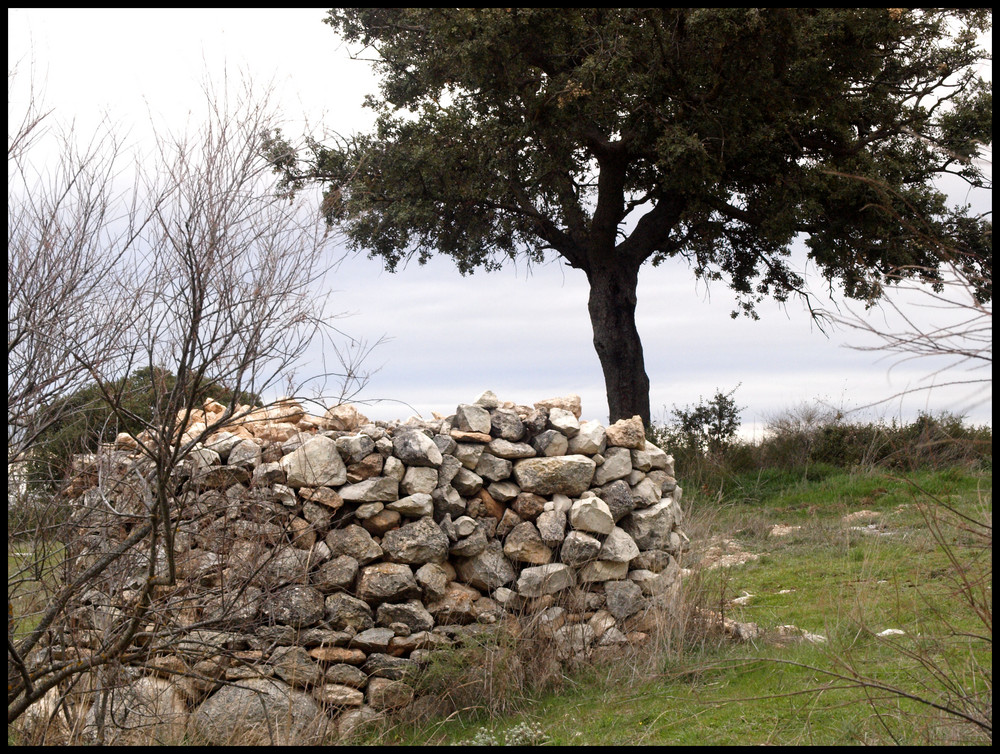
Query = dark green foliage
x=87 y=420
x=619 y=136
x=712 y=425
x=810 y=443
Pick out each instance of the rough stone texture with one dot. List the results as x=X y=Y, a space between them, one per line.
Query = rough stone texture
x=487 y=570
x=627 y=433
x=333 y=555
x=414 y=448
x=591 y=514
x=524 y=545
x=256 y=709
x=386 y=582
x=564 y=475
x=651 y=527
x=417 y=543
x=316 y=464
x=545 y=579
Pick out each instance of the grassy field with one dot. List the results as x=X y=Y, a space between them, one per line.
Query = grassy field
x=840 y=556
x=853 y=555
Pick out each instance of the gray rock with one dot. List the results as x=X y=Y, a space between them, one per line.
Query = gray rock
x=487 y=570
x=315 y=464
x=493 y=468
x=378 y=489
x=572 y=640
x=414 y=448
x=510 y=450
x=416 y=505
x=620 y=499
x=623 y=598
x=602 y=570
x=418 y=542
x=419 y=479
x=566 y=475
x=297 y=606
x=551 y=527
x=412 y=614
x=619 y=547
x=506 y=424
x=245 y=453
x=448 y=502
x=468 y=453
x=589 y=439
x=386 y=694
x=346 y=675
x=467 y=482
x=564 y=421
x=503 y=492
x=617 y=465
x=354 y=541
x=524 y=545
x=336 y=574
x=579 y=548
x=651 y=527
x=344 y=611
x=353 y=448
x=591 y=514
x=472 y=419
x=296 y=667
x=374 y=639
x=259 y=711
x=550 y=443
x=386 y=582
x=433 y=579
x=545 y=579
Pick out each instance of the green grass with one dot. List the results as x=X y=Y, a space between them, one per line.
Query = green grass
x=846 y=584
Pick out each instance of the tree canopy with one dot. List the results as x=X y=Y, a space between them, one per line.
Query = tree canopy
x=619 y=136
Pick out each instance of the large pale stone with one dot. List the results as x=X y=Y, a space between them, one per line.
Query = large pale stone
x=379 y=489
x=472 y=419
x=603 y=570
x=589 y=439
x=354 y=541
x=569 y=403
x=316 y=464
x=617 y=465
x=566 y=475
x=651 y=527
x=564 y=421
x=344 y=417
x=591 y=514
x=416 y=505
x=627 y=433
x=545 y=579
x=619 y=547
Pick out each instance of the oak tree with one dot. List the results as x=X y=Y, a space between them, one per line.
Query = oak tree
x=616 y=137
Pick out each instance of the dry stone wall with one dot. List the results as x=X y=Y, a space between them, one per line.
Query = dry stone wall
x=323 y=559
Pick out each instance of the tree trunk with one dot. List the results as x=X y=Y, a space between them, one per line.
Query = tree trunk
x=612 y=314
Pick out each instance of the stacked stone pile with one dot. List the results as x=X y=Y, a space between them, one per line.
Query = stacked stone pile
x=322 y=559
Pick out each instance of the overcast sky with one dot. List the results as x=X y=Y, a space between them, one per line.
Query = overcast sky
x=525 y=334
